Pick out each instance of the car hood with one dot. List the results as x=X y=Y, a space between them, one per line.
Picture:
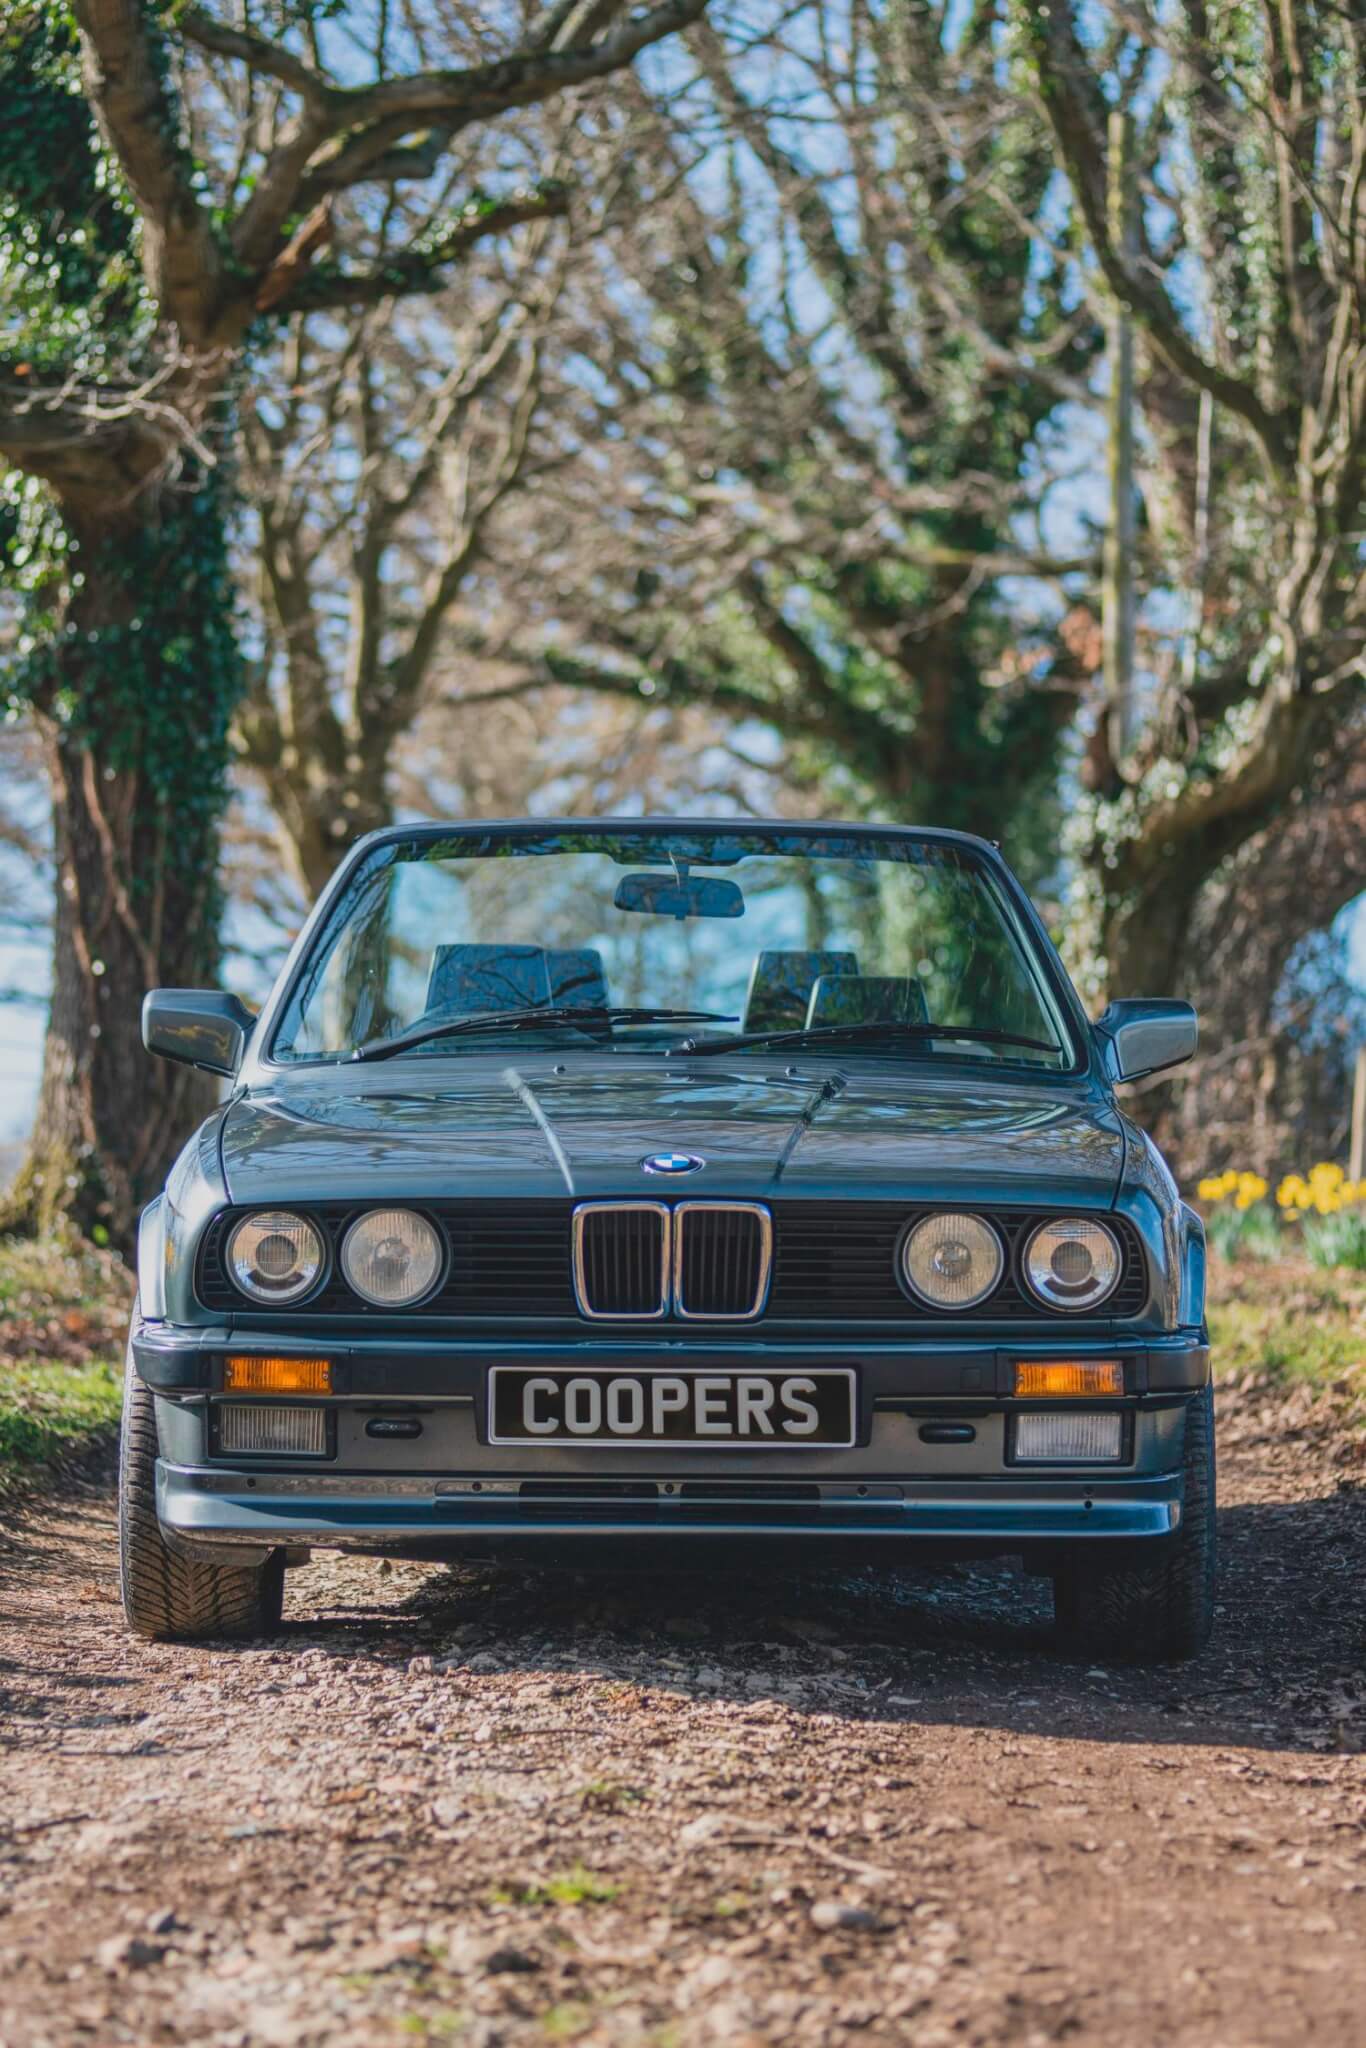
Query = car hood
x=582 y=1127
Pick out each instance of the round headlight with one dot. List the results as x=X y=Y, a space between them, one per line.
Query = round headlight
x=952 y=1261
x=392 y=1257
x=275 y=1255
x=1073 y=1263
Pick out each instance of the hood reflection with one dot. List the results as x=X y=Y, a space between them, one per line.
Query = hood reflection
x=581 y=1125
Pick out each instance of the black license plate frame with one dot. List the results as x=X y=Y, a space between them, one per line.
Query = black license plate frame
x=717 y=1396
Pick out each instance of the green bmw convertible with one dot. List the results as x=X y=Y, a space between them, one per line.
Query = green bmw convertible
x=659 y=1188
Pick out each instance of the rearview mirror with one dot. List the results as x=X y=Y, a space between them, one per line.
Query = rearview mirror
x=1141 y=1034
x=202 y=1027
x=679 y=896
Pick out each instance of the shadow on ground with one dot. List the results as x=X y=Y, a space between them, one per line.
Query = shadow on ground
x=958 y=1643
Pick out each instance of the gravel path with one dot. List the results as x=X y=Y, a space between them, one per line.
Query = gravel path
x=449 y=1806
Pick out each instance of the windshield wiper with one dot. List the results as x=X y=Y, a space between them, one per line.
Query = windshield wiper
x=824 y=1034
x=528 y=1019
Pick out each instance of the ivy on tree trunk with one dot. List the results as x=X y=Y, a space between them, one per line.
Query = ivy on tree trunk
x=133 y=693
x=138 y=253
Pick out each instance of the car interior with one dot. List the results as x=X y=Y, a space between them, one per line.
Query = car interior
x=468 y=979
x=789 y=990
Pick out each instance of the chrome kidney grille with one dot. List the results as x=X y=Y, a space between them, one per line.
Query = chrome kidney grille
x=708 y=1261
x=621 y=1260
x=723 y=1256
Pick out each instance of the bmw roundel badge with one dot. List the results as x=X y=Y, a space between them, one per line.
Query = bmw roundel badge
x=672 y=1162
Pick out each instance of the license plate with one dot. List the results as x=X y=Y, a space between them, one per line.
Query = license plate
x=771 y=1410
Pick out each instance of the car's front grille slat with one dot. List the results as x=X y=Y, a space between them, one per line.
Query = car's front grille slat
x=831 y=1263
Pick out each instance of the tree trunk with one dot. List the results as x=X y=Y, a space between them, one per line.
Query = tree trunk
x=1146 y=934
x=134 y=709
x=110 y=1119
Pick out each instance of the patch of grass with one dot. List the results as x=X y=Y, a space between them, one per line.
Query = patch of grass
x=575 y=1887
x=88 y=1291
x=1289 y=1322
x=1338 y=1240
x=1246 y=1233
x=63 y=1310
x=563 y=2022
x=602 y=1795
x=434 y=2026
x=48 y=1411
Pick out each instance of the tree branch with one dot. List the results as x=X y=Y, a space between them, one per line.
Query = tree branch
x=420 y=270
x=125 y=79
x=257 y=52
x=520 y=79
x=1069 y=94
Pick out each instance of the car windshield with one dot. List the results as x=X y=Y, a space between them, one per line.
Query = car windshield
x=651 y=940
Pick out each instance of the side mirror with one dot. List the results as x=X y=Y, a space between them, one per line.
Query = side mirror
x=1141 y=1034
x=201 y=1026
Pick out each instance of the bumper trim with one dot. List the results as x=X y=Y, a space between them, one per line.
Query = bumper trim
x=178 y=1359
x=216 y=1509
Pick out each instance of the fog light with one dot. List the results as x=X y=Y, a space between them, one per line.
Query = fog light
x=281 y=1432
x=277 y=1376
x=1068 y=1379
x=1069 y=1439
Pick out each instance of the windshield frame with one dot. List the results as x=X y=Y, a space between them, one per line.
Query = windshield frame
x=261 y=1064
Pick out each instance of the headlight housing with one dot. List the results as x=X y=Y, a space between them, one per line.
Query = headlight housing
x=392 y=1257
x=275 y=1255
x=952 y=1260
x=1072 y=1263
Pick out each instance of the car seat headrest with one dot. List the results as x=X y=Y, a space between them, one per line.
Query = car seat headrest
x=467 y=979
x=867 y=999
x=780 y=986
x=577 y=977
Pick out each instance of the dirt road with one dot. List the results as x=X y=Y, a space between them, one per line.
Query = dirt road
x=630 y=1811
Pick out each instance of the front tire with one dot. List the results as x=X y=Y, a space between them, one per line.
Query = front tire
x=1151 y=1613
x=167 y=1598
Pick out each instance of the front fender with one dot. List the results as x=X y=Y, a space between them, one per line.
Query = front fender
x=195 y=1192
x=1192 y=1267
x=152 y=1261
x=1148 y=1196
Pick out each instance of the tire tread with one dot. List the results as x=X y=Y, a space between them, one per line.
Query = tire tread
x=168 y=1598
x=1152 y=1613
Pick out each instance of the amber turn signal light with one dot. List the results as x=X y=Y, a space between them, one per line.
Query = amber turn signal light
x=1068 y=1379
x=277 y=1376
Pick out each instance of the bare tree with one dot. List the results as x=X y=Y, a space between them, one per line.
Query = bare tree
x=1280 y=1019
x=375 y=467
x=819 y=339
x=261 y=167
x=1247 y=282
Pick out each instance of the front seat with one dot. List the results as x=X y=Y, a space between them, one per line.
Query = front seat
x=466 y=980
x=867 y=999
x=577 y=977
x=780 y=986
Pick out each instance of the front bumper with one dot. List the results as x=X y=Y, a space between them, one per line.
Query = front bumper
x=454 y=1492
x=201 y=1509
x=178 y=1359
